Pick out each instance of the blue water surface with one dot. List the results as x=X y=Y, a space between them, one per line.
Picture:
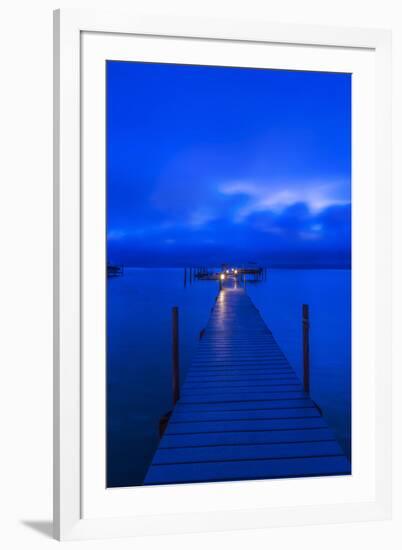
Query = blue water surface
x=139 y=379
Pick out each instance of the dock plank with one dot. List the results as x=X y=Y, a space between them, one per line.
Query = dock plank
x=193 y=416
x=250 y=425
x=248 y=469
x=234 y=439
x=245 y=405
x=246 y=452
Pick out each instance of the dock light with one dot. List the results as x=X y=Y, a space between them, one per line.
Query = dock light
x=222 y=276
x=235 y=271
x=227 y=271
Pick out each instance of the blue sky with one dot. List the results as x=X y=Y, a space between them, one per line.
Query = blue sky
x=214 y=164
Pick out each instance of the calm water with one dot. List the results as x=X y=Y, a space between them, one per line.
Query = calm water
x=139 y=366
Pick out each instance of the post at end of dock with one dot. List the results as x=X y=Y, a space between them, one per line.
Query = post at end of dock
x=175 y=354
x=306 y=347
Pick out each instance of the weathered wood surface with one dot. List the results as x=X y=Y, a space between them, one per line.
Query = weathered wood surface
x=242 y=412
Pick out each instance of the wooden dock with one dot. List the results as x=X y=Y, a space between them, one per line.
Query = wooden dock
x=242 y=412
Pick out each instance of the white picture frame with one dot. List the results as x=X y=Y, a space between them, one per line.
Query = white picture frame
x=83 y=507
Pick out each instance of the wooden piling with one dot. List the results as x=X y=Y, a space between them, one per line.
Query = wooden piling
x=185 y=276
x=306 y=347
x=175 y=354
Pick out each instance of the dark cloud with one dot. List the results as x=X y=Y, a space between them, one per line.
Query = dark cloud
x=294 y=236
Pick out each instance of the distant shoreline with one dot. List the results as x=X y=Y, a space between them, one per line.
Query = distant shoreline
x=276 y=267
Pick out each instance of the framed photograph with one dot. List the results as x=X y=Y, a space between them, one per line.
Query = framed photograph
x=222 y=275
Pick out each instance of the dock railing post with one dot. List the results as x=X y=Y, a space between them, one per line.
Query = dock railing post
x=175 y=354
x=306 y=347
